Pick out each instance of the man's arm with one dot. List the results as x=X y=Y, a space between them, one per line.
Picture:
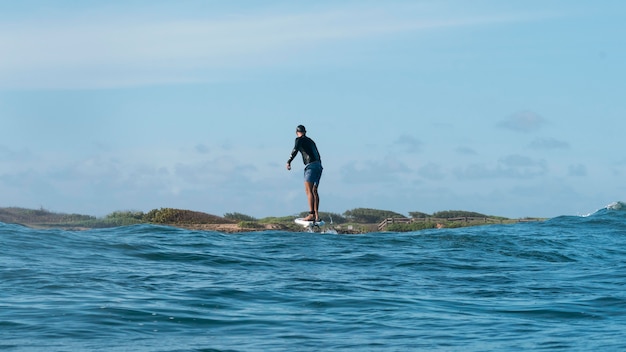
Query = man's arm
x=293 y=154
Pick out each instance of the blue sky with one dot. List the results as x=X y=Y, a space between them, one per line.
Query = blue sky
x=511 y=108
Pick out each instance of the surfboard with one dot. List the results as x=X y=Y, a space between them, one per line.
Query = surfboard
x=305 y=223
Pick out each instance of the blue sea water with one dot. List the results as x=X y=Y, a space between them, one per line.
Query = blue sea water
x=553 y=285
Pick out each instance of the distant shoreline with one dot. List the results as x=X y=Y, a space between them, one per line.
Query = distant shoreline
x=380 y=221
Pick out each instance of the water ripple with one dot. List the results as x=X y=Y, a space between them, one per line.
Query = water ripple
x=557 y=285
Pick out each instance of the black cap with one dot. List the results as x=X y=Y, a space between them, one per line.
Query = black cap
x=300 y=128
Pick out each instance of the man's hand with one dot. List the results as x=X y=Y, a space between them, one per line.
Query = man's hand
x=288 y=166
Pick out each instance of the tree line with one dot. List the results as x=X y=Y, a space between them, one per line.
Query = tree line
x=181 y=216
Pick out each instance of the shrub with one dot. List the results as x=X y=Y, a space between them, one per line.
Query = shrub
x=368 y=216
x=415 y=226
x=418 y=215
x=179 y=216
x=239 y=217
x=446 y=214
x=250 y=225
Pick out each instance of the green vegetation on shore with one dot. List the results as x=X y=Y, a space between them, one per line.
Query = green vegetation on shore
x=48 y=219
x=356 y=220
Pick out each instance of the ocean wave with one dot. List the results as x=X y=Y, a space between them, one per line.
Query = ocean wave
x=619 y=206
x=552 y=284
x=614 y=207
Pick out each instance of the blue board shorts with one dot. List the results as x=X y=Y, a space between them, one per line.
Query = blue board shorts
x=313 y=172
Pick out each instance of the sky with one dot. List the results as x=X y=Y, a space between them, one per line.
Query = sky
x=507 y=108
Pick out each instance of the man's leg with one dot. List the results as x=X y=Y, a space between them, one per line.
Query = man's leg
x=316 y=202
x=311 y=192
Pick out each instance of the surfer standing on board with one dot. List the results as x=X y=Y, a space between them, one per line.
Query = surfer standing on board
x=312 y=170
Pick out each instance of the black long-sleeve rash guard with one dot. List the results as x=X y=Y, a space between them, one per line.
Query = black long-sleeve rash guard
x=307 y=148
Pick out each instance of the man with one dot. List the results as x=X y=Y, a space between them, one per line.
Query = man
x=312 y=170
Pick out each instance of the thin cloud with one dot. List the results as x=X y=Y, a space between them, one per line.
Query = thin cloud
x=619 y=167
x=525 y=122
x=385 y=171
x=512 y=166
x=577 y=170
x=466 y=151
x=106 y=51
x=202 y=149
x=548 y=144
x=408 y=144
x=8 y=154
x=432 y=171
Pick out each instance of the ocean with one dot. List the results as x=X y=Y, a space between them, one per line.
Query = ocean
x=553 y=285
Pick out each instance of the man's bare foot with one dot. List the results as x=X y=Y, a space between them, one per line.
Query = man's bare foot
x=311 y=217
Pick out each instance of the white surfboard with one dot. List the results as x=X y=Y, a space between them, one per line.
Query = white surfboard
x=305 y=223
